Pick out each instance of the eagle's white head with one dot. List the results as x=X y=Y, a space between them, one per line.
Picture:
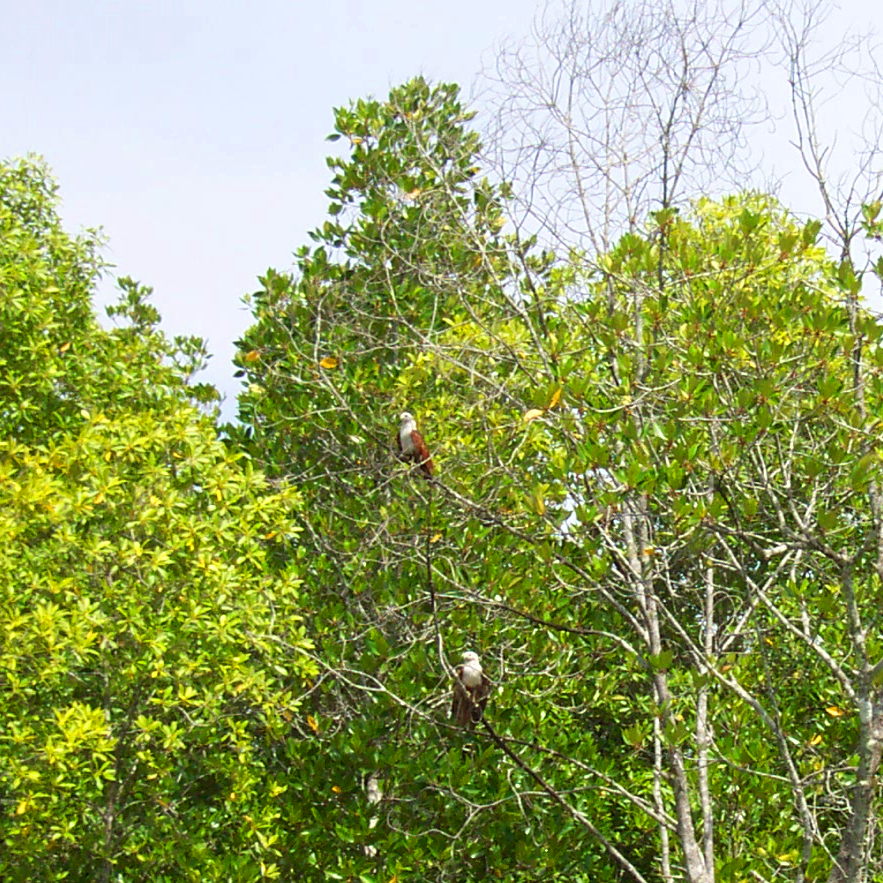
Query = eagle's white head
x=470 y=670
x=406 y=427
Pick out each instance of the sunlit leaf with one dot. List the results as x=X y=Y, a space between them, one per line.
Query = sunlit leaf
x=836 y=711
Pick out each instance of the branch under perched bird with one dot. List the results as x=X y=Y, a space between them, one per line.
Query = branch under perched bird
x=471 y=690
x=411 y=444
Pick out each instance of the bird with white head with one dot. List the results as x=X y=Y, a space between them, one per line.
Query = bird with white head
x=411 y=445
x=471 y=690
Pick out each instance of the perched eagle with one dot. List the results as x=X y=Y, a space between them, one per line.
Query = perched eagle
x=411 y=444
x=471 y=691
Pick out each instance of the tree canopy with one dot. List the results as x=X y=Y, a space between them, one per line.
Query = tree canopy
x=152 y=656
x=656 y=515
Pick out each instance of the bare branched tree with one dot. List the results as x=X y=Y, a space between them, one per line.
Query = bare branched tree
x=610 y=110
x=840 y=153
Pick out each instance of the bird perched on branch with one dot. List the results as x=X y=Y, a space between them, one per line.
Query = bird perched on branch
x=471 y=690
x=411 y=444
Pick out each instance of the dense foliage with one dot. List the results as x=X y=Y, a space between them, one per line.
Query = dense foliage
x=151 y=655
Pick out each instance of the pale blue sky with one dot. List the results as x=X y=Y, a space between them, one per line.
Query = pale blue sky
x=193 y=131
